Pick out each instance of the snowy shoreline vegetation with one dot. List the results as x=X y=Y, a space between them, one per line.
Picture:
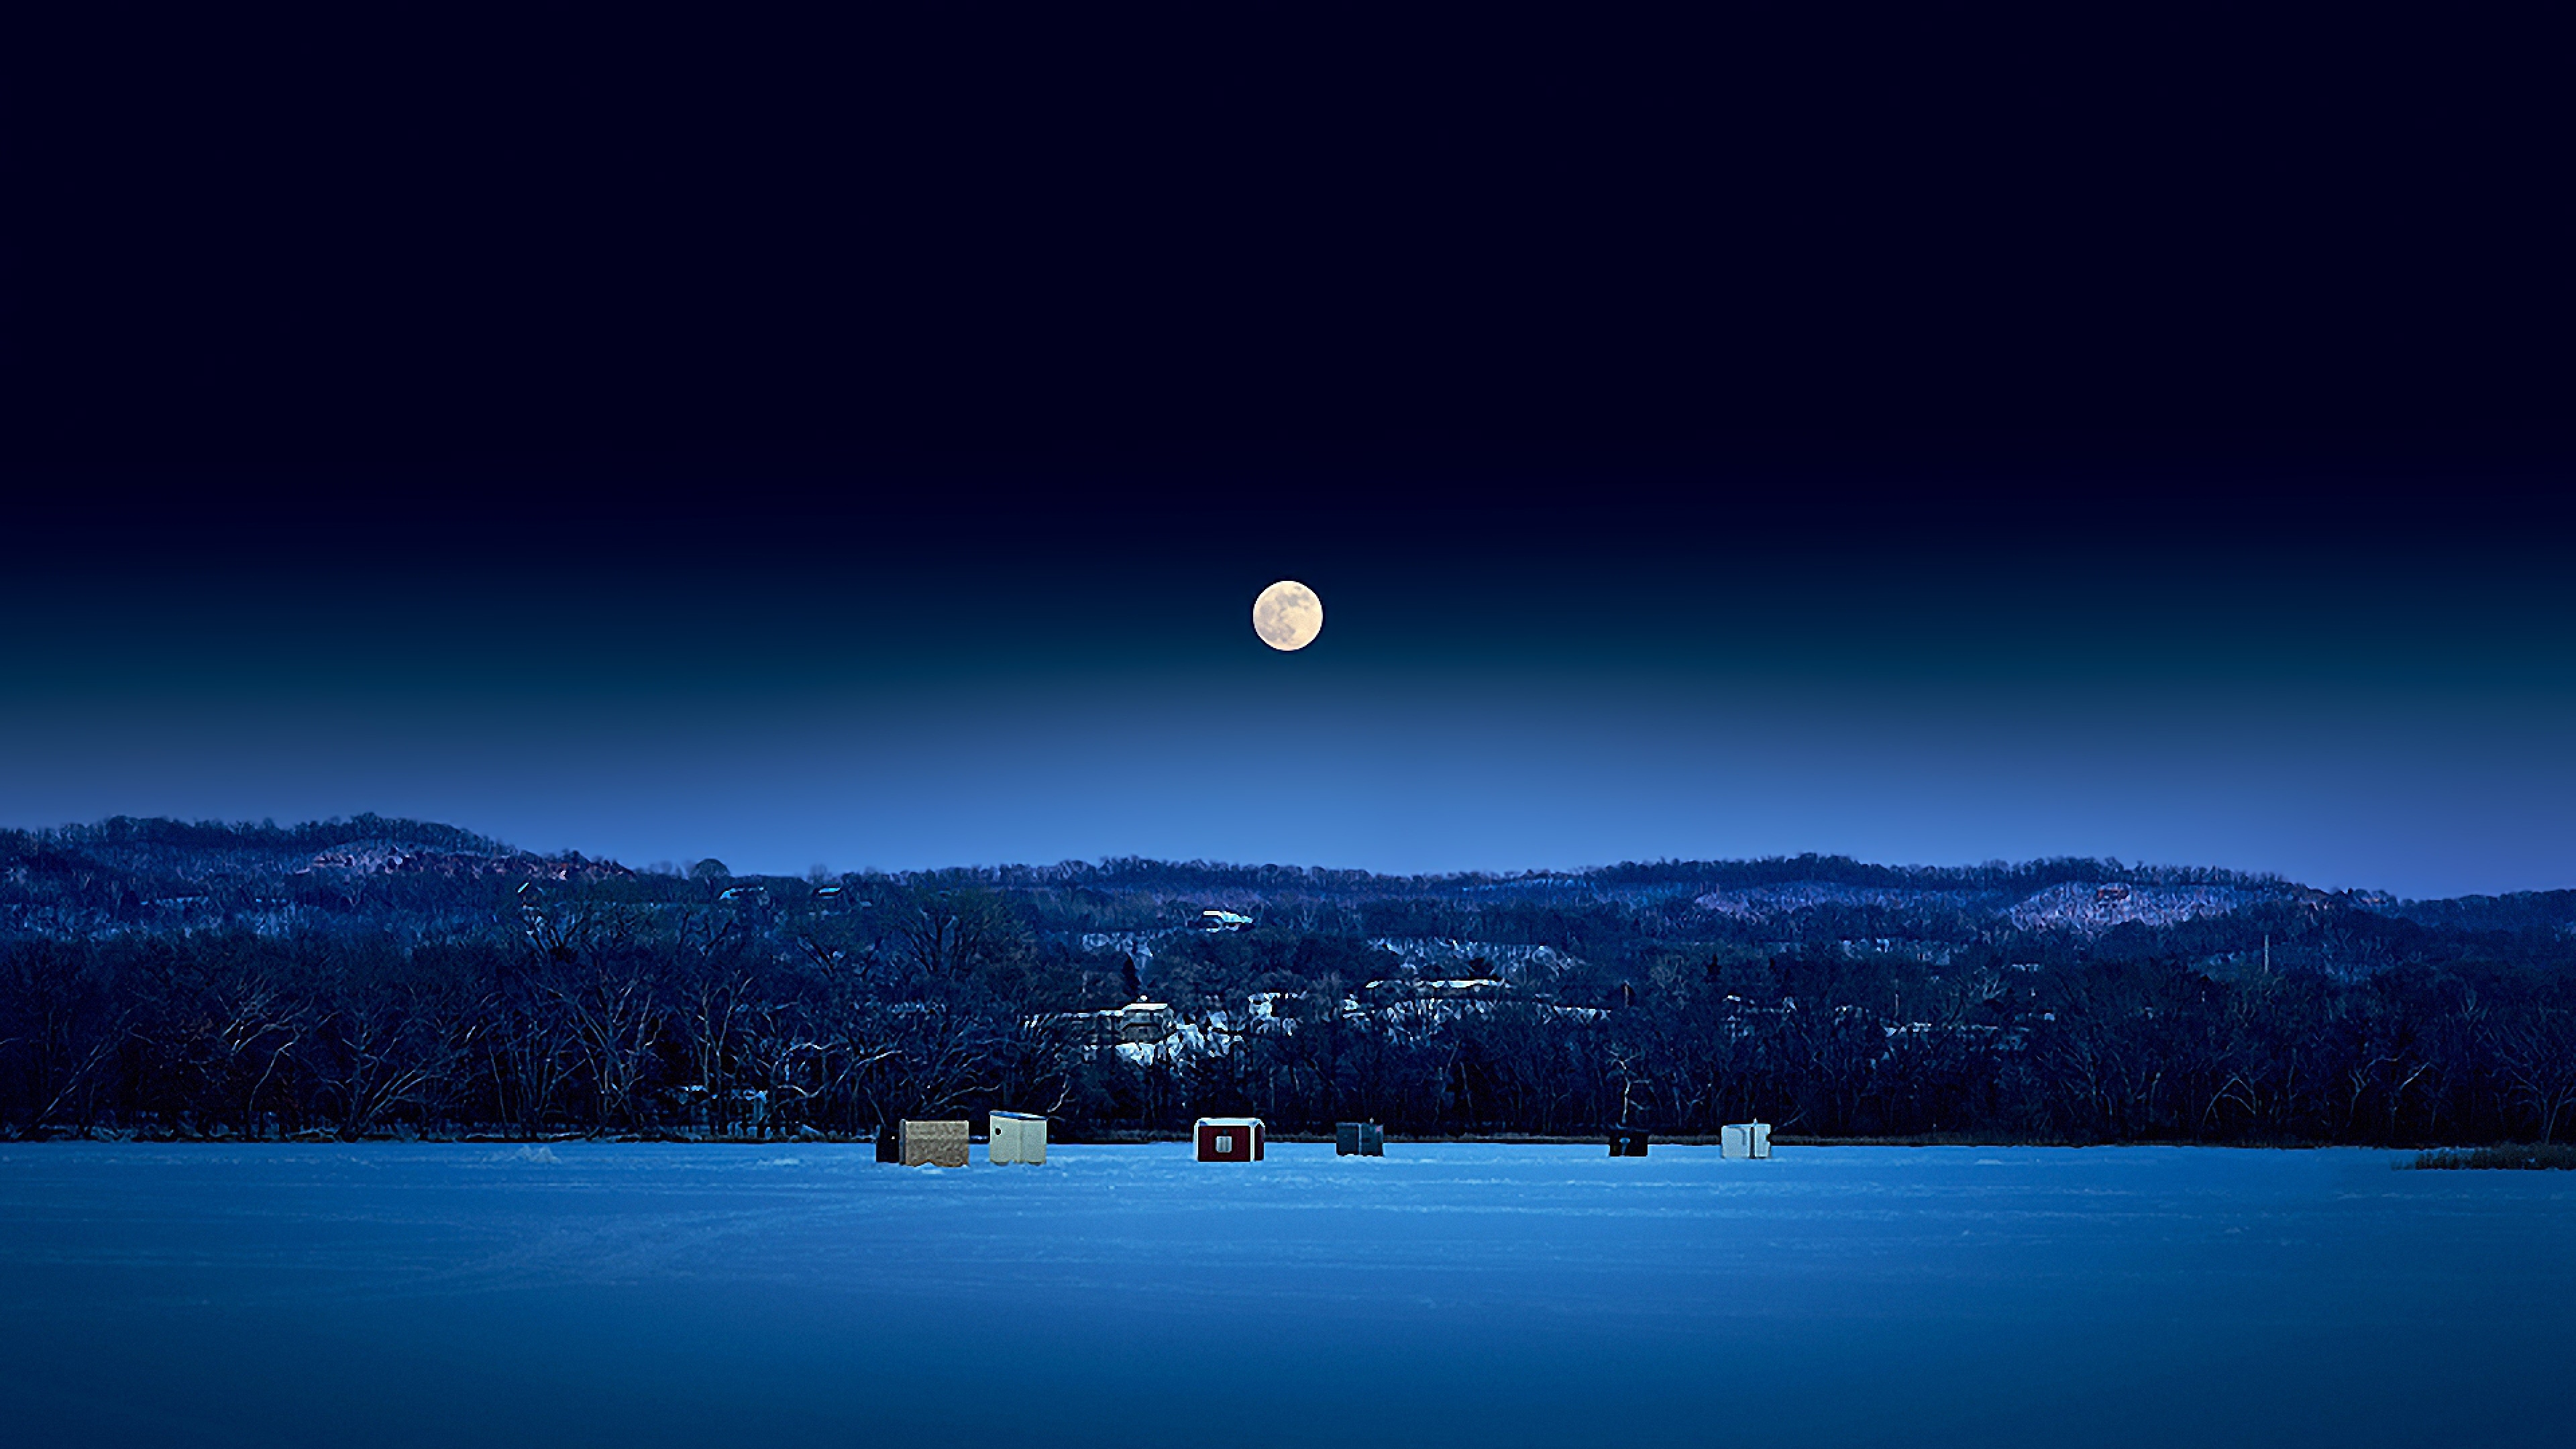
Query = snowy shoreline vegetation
x=2510 y=1156
x=2507 y=1156
x=375 y=978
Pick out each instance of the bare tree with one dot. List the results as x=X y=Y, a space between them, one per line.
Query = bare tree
x=2538 y=1054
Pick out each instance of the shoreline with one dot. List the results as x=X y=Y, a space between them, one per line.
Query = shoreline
x=1152 y=1138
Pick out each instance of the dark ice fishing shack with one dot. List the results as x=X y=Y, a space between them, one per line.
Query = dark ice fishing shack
x=1231 y=1139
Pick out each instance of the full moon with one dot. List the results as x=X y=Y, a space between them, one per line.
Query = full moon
x=1287 y=615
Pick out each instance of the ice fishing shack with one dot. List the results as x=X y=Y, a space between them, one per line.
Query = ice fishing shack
x=1744 y=1139
x=1230 y=1139
x=1016 y=1137
x=934 y=1144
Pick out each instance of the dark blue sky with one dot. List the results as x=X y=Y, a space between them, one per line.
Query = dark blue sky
x=802 y=471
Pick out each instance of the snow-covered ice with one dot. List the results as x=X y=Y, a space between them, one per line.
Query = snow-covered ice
x=640 y=1295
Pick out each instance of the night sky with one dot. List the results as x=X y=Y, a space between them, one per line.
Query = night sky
x=861 y=449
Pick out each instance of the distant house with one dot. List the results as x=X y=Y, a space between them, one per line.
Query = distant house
x=1267 y=1005
x=732 y=1111
x=1395 y=990
x=1231 y=1139
x=1083 y=1028
x=1136 y=1023
x=749 y=895
x=1476 y=987
x=2110 y=894
x=1146 y=1021
x=829 y=894
x=1222 y=921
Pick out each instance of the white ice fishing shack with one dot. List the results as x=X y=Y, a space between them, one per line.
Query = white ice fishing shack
x=1744 y=1139
x=1016 y=1137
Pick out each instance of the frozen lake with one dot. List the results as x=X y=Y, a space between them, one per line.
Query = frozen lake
x=641 y=1295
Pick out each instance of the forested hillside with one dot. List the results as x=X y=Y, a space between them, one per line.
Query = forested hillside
x=376 y=976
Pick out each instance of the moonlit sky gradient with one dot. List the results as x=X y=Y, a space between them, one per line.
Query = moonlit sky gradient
x=1619 y=672
x=1704 y=445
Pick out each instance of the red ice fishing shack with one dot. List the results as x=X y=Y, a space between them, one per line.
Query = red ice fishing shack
x=1231 y=1139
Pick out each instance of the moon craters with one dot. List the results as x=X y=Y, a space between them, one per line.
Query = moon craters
x=1287 y=615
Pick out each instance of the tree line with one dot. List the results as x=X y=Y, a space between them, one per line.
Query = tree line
x=705 y=1006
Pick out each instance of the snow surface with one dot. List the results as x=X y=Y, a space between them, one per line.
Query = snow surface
x=583 y=1293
